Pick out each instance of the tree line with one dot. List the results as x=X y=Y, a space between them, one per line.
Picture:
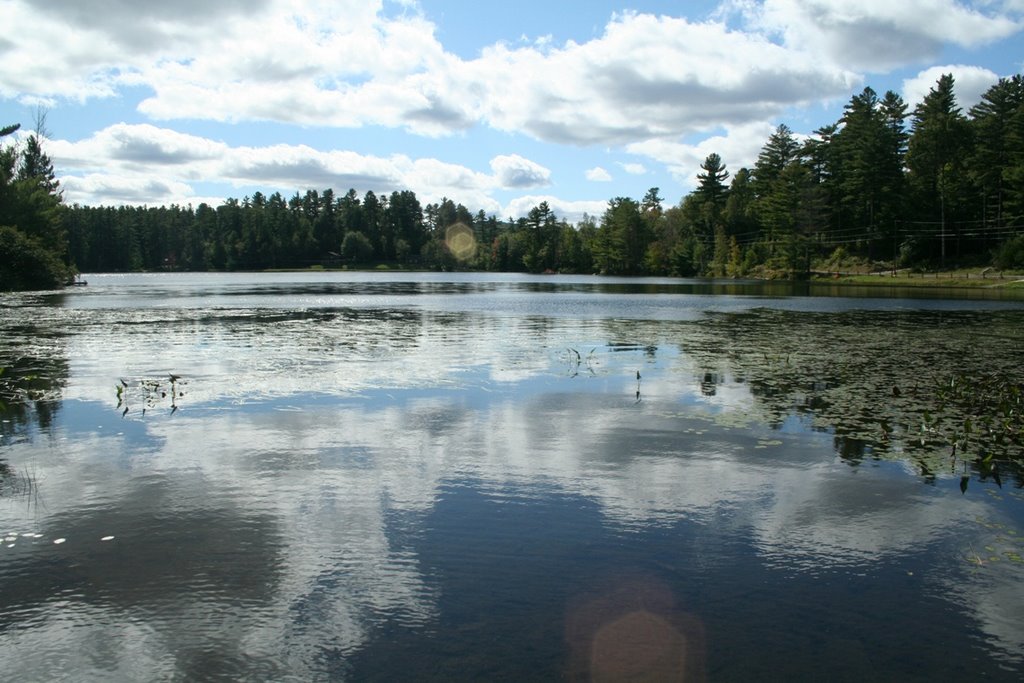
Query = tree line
x=933 y=187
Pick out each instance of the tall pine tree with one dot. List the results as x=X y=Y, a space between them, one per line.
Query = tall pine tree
x=34 y=250
x=995 y=165
x=936 y=155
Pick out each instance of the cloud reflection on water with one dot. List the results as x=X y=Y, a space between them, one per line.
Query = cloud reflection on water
x=279 y=516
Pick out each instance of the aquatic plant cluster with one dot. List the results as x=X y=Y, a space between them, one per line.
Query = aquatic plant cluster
x=149 y=393
x=28 y=386
x=891 y=394
x=982 y=417
x=993 y=405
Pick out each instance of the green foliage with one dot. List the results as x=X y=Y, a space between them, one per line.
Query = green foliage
x=837 y=258
x=988 y=416
x=869 y=160
x=937 y=160
x=356 y=247
x=997 y=123
x=25 y=264
x=541 y=233
x=711 y=188
x=736 y=268
x=33 y=244
x=30 y=384
x=622 y=239
x=436 y=255
x=720 y=260
x=1010 y=255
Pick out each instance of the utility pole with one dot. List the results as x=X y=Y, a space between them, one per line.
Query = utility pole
x=942 y=214
x=895 y=241
x=943 y=228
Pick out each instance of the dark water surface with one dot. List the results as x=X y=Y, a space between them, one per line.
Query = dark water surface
x=436 y=477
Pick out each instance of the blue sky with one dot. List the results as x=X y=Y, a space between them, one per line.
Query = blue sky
x=495 y=105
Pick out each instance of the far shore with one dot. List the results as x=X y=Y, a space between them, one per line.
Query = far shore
x=962 y=278
x=973 y=278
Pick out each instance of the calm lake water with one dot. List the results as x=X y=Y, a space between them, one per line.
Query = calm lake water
x=488 y=477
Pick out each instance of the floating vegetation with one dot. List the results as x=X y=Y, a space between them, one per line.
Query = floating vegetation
x=887 y=385
x=577 y=361
x=32 y=378
x=981 y=417
x=988 y=415
x=1000 y=544
x=149 y=393
x=24 y=385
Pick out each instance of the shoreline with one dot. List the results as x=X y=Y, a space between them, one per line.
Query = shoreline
x=944 y=279
x=939 y=279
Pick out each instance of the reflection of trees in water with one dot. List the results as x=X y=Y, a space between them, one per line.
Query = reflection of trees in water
x=208 y=571
x=363 y=332
x=709 y=384
x=34 y=371
x=870 y=378
x=30 y=389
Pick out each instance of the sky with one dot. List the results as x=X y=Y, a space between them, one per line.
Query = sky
x=498 y=106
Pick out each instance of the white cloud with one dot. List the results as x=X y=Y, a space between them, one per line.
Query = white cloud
x=145 y=164
x=633 y=168
x=571 y=211
x=969 y=84
x=351 y=65
x=433 y=180
x=51 y=59
x=648 y=77
x=738 y=146
x=303 y=166
x=148 y=164
x=877 y=34
x=654 y=85
x=143 y=145
x=145 y=24
x=342 y=64
x=515 y=172
x=131 y=190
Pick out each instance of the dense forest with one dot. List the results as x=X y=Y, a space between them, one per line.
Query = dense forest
x=930 y=188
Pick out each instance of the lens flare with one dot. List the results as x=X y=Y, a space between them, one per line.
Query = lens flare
x=461 y=242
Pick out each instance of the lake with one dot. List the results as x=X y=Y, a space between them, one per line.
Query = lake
x=395 y=476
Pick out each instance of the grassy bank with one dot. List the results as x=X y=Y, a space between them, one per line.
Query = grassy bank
x=953 y=278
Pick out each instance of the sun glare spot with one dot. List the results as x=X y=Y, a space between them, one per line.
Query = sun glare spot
x=461 y=241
